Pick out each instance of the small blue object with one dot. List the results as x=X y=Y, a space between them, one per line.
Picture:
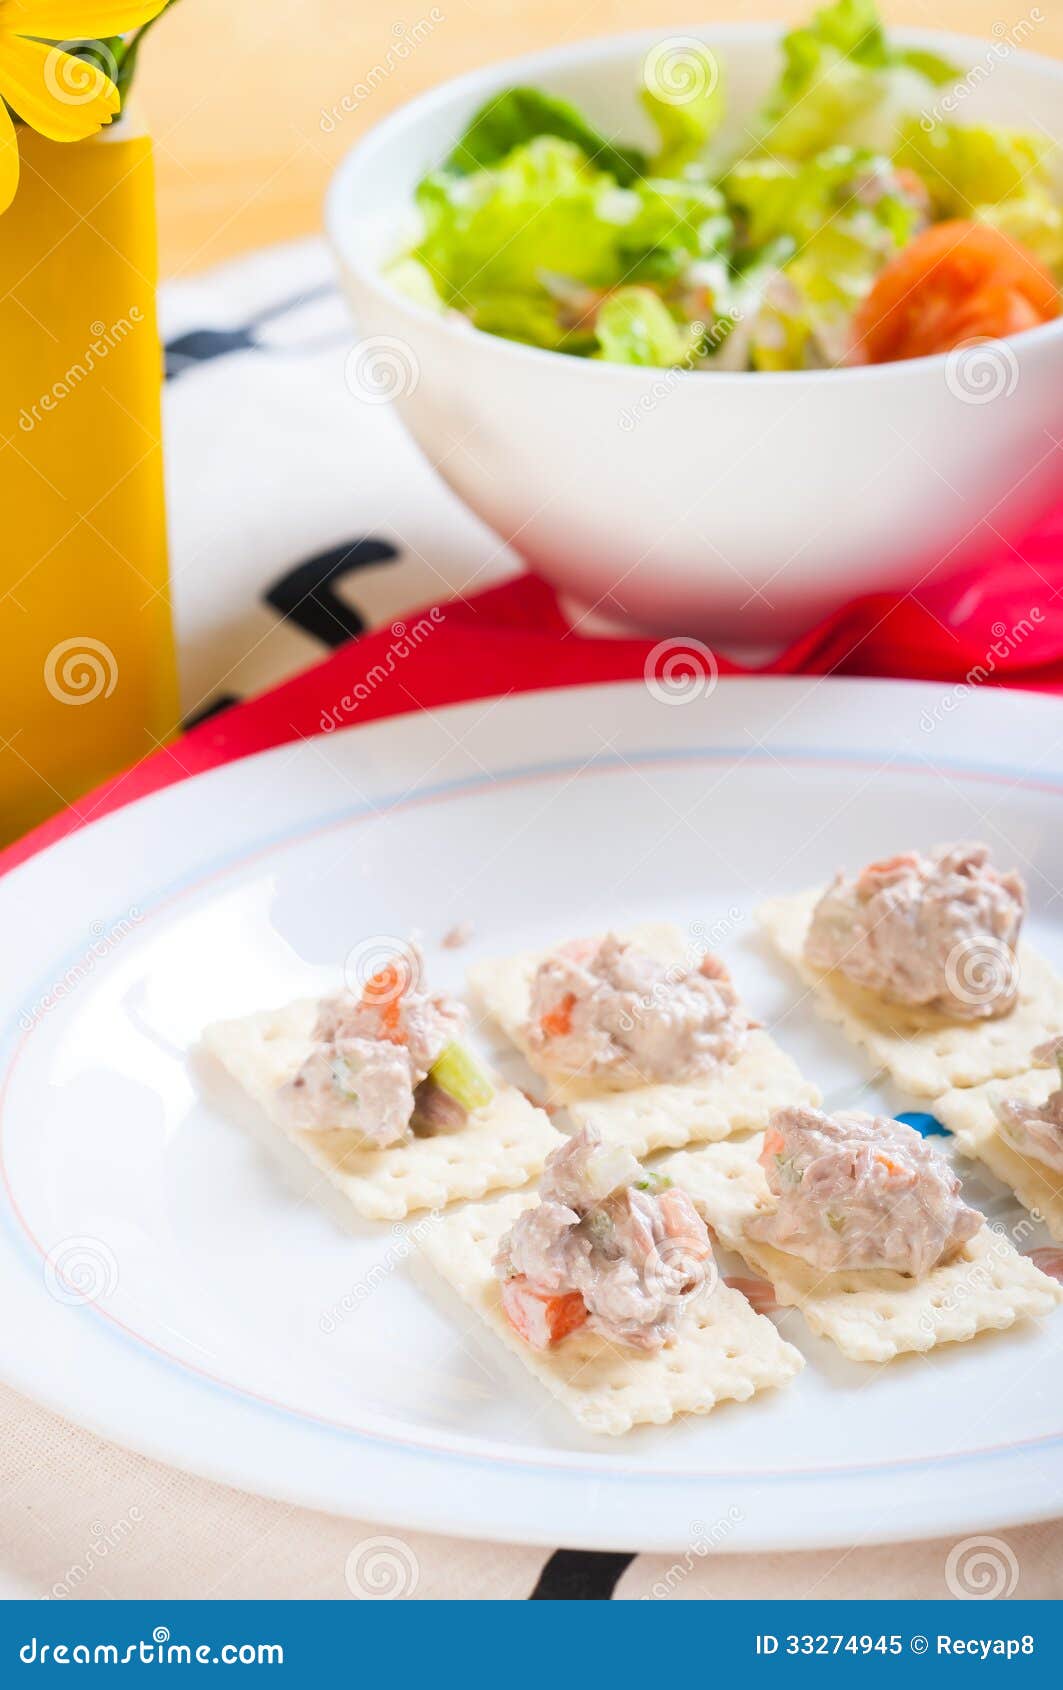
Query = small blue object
x=927 y=1125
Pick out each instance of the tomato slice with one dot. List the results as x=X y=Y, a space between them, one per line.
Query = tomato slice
x=956 y=282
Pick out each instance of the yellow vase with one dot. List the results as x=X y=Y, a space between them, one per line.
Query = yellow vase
x=87 y=674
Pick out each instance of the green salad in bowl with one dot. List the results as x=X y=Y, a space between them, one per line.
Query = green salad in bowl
x=849 y=220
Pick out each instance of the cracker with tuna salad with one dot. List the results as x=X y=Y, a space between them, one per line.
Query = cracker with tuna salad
x=871 y=1314
x=923 y=1051
x=991 y=1124
x=722 y=1350
x=502 y=1143
x=737 y=1081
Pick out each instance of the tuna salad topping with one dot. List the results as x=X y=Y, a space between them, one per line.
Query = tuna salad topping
x=387 y=1064
x=938 y=932
x=860 y=1191
x=603 y=1007
x=1037 y=1131
x=608 y=1246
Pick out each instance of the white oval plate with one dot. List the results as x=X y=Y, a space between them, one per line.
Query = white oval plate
x=238 y=1322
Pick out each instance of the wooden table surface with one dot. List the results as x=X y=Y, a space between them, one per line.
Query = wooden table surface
x=238 y=92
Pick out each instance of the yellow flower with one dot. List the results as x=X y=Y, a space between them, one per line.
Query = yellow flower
x=59 y=95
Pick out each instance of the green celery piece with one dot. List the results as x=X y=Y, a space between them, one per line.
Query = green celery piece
x=457 y=1072
x=654 y=1183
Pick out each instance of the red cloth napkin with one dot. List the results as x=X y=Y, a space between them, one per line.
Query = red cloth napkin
x=999 y=623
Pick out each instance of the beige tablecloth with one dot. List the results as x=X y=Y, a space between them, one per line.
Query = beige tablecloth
x=84 y=1519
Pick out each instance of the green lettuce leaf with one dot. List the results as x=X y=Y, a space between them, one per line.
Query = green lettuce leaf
x=806 y=317
x=1035 y=220
x=683 y=93
x=544 y=208
x=533 y=318
x=409 y=277
x=674 y=222
x=518 y=115
x=964 y=167
x=775 y=197
x=836 y=70
x=937 y=71
x=634 y=326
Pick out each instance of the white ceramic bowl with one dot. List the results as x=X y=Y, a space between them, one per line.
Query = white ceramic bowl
x=710 y=502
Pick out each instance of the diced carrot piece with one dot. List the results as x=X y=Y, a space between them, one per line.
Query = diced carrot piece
x=541 y=1318
x=383 y=993
x=565 y=1314
x=890 y=1165
x=773 y=1143
x=383 y=986
x=906 y=859
x=557 y=1022
x=713 y=967
x=681 y=1220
